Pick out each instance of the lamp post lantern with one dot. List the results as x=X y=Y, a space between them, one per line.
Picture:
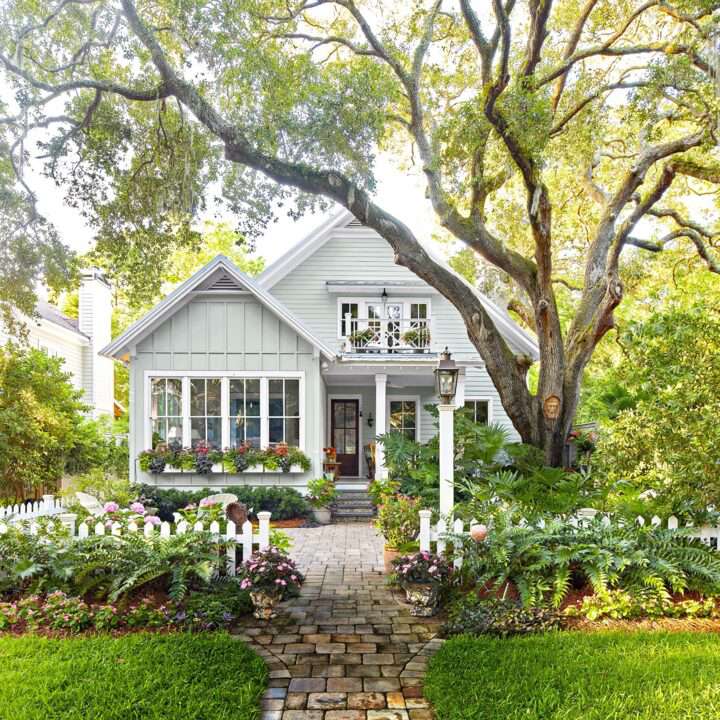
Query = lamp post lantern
x=446 y=378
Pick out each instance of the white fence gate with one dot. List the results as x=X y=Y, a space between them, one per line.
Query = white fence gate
x=245 y=540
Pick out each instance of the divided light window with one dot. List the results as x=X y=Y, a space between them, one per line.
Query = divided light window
x=479 y=411
x=166 y=412
x=284 y=411
x=245 y=411
x=224 y=411
x=351 y=309
x=403 y=417
x=205 y=412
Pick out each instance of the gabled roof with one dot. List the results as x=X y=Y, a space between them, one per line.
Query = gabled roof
x=312 y=242
x=219 y=275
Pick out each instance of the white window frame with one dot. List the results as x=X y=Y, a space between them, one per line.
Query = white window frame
x=363 y=302
x=205 y=417
x=480 y=398
x=404 y=398
x=225 y=376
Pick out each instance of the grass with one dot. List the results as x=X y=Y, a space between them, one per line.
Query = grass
x=565 y=676
x=139 y=676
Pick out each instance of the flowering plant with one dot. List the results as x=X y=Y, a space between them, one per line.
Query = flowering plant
x=321 y=492
x=399 y=519
x=270 y=571
x=422 y=567
x=206 y=511
x=330 y=453
x=136 y=513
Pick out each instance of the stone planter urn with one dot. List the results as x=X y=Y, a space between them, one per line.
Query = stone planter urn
x=264 y=604
x=423 y=597
x=322 y=515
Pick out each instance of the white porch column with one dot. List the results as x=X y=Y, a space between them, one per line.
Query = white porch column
x=380 y=424
x=447 y=463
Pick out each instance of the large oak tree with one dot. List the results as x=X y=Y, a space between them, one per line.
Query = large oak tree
x=553 y=136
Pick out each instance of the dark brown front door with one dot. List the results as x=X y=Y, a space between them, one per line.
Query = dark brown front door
x=344 y=435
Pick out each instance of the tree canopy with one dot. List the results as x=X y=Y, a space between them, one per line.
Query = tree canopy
x=559 y=139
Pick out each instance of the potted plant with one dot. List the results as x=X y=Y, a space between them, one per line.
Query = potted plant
x=153 y=461
x=399 y=522
x=330 y=454
x=321 y=494
x=361 y=338
x=269 y=575
x=418 y=338
x=422 y=575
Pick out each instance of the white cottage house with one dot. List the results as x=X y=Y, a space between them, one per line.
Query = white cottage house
x=331 y=346
x=78 y=342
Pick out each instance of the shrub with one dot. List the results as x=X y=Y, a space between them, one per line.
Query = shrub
x=399 y=520
x=473 y=616
x=321 y=492
x=270 y=571
x=544 y=563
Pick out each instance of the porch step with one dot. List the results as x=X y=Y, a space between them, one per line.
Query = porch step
x=353 y=504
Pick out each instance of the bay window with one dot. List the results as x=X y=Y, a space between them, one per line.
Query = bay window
x=224 y=409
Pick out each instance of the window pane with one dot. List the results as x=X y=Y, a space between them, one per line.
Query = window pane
x=213 y=396
x=292 y=398
x=237 y=393
x=276 y=397
x=197 y=397
x=237 y=432
x=276 y=430
x=252 y=431
x=418 y=311
x=339 y=441
x=157 y=405
x=350 y=416
x=292 y=432
x=350 y=447
x=174 y=396
x=159 y=432
x=175 y=432
x=345 y=310
x=197 y=431
x=409 y=433
x=214 y=437
x=482 y=412
x=252 y=398
x=339 y=414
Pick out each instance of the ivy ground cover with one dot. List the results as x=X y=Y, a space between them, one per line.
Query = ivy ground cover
x=134 y=677
x=564 y=676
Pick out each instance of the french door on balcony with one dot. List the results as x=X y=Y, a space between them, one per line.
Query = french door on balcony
x=344 y=435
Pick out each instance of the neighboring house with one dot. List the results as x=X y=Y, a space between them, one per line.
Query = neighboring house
x=78 y=342
x=332 y=345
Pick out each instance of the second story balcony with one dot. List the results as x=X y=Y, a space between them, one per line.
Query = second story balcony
x=398 y=335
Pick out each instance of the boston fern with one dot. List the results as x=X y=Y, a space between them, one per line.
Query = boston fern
x=545 y=563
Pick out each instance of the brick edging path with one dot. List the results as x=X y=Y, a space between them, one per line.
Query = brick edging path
x=347 y=648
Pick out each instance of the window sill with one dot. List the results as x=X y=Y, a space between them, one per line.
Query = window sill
x=220 y=470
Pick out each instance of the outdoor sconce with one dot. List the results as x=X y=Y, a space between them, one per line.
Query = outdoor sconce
x=370 y=420
x=446 y=377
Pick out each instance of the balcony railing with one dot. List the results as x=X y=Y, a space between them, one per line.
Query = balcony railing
x=397 y=335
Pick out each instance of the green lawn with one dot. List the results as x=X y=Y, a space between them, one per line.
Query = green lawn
x=566 y=676
x=142 y=676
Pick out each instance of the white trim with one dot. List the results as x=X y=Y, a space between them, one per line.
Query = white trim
x=480 y=398
x=415 y=399
x=187 y=291
x=359 y=398
x=376 y=288
x=225 y=375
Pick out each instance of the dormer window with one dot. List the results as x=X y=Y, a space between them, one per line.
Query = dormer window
x=384 y=324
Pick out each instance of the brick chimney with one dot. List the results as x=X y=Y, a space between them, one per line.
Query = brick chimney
x=95 y=315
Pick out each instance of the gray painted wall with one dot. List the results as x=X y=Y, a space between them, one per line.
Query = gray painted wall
x=227 y=333
x=362 y=255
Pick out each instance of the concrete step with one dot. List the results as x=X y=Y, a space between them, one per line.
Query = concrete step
x=360 y=513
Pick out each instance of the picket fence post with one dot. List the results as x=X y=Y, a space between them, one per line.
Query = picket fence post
x=425 y=537
x=264 y=531
x=231 y=537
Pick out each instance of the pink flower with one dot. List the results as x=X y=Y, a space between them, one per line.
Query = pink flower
x=245 y=584
x=152 y=520
x=138 y=507
x=111 y=507
x=206 y=502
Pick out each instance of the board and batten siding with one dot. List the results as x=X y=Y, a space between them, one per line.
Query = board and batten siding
x=359 y=254
x=227 y=334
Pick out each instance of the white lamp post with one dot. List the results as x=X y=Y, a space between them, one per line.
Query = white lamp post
x=446 y=378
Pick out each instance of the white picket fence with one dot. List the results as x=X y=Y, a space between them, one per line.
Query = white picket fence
x=245 y=540
x=49 y=505
x=708 y=534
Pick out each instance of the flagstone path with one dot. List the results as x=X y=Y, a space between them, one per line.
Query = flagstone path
x=347 y=648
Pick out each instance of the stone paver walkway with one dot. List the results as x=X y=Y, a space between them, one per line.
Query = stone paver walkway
x=347 y=648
